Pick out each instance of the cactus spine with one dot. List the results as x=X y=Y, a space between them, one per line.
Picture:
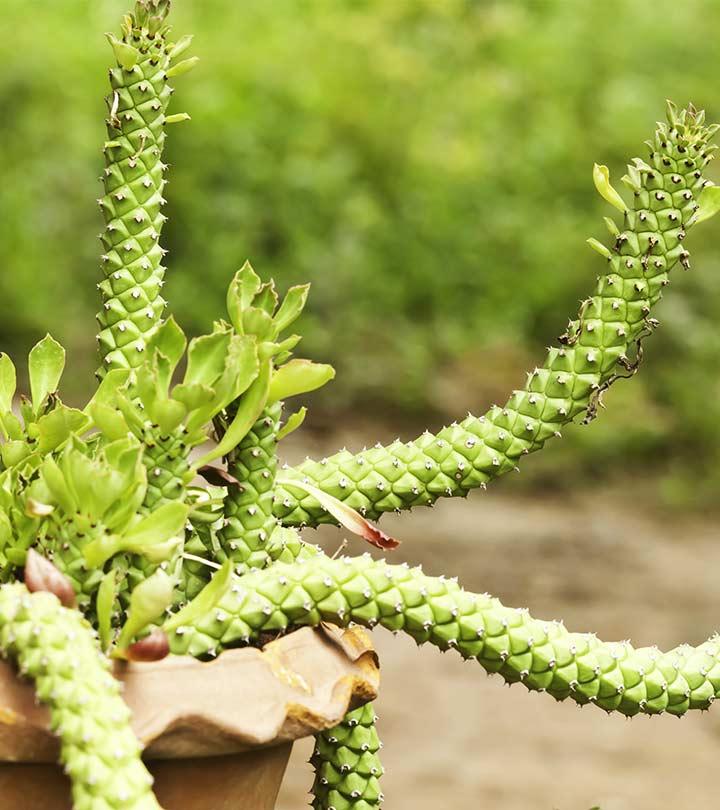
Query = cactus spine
x=600 y=346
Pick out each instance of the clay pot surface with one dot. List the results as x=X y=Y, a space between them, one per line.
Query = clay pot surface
x=216 y=734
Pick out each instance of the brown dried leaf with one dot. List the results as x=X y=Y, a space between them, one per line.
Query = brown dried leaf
x=42 y=575
x=346 y=516
x=217 y=476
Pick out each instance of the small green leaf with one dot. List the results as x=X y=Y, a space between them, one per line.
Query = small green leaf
x=709 y=203
x=249 y=409
x=601 y=178
x=148 y=602
x=292 y=423
x=599 y=247
x=182 y=67
x=241 y=292
x=291 y=307
x=257 y=322
x=180 y=46
x=109 y=421
x=177 y=118
x=206 y=357
x=299 y=377
x=205 y=601
x=168 y=339
x=45 y=367
x=53 y=478
x=166 y=522
x=8 y=383
x=56 y=427
x=126 y=55
x=267 y=298
x=104 y=606
x=106 y=393
x=14 y=452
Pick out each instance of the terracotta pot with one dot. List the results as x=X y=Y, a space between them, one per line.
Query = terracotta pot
x=217 y=735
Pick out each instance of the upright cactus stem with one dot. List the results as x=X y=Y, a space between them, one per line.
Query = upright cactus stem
x=600 y=346
x=347 y=765
x=248 y=510
x=134 y=182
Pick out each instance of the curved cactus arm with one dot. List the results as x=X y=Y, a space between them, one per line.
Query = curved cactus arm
x=99 y=751
x=134 y=182
x=597 y=349
x=347 y=765
x=544 y=656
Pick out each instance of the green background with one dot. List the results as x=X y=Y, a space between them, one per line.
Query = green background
x=425 y=163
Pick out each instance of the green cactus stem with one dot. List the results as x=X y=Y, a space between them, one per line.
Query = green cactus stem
x=600 y=346
x=248 y=507
x=543 y=656
x=134 y=184
x=56 y=648
x=347 y=765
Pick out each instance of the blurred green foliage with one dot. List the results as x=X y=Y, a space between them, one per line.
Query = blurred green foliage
x=425 y=163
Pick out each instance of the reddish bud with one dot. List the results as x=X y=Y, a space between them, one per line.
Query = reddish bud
x=42 y=575
x=154 y=647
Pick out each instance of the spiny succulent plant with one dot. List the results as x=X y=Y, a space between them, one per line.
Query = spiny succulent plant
x=106 y=541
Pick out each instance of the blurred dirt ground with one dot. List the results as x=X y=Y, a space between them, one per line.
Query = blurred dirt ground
x=456 y=738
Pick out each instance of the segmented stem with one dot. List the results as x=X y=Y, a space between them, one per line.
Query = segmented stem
x=544 y=656
x=248 y=508
x=134 y=183
x=600 y=346
x=57 y=649
x=347 y=765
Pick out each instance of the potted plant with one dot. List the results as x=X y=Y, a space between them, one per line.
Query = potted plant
x=117 y=567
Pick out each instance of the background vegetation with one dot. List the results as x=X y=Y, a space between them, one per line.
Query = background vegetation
x=425 y=163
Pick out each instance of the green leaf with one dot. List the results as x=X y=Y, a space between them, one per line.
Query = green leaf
x=180 y=46
x=193 y=395
x=169 y=339
x=599 y=247
x=166 y=522
x=8 y=382
x=56 y=427
x=14 y=452
x=601 y=178
x=249 y=409
x=241 y=292
x=106 y=393
x=241 y=369
x=257 y=322
x=104 y=606
x=709 y=203
x=291 y=307
x=182 y=67
x=267 y=298
x=299 y=377
x=45 y=367
x=54 y=479
x=206 y=358
x=126 y=55
x=205 y=601
x=148 y=602
x=109 y=421
x=292 y=423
